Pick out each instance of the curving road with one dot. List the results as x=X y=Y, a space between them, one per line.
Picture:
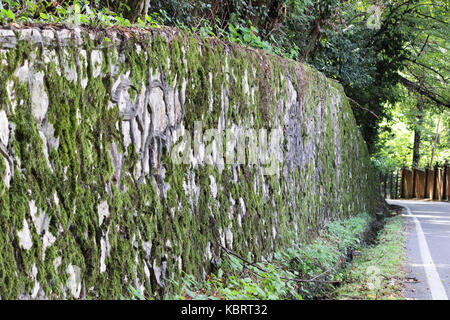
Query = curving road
x=427 y=242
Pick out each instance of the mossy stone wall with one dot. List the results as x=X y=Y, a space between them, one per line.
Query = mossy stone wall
x=92 y=198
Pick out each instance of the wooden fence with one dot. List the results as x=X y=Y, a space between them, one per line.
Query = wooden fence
x=426 y=183
x=389 y=184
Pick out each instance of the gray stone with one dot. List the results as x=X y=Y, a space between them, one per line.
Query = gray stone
x=33 y=35
x=74 y=280
x=25 y=240
x=102 y=211
x=159 y=117
x=4 y=128
x=96 y=61
x=39 y=97
x=8 y=39
x=41 y=221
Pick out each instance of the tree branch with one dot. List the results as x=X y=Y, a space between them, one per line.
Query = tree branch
x=266 y=271
x=364 y=108
x=427 y=67
x=424 y=45
x=425 y=92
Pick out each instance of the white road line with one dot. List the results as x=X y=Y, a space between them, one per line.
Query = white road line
x=433 y=279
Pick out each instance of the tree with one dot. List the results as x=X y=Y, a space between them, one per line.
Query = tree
x=395 y=146
x=411 y=41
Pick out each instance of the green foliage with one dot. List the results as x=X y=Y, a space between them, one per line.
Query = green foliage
x=420 y=103
x=71 y=12
x=240 y=283
x=6 y=13
x=324 y=258
x=133 y=294
x=394 y=148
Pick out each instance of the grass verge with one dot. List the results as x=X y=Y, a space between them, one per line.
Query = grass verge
x=377 y=273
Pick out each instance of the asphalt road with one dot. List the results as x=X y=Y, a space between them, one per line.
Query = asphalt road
x=427 y=243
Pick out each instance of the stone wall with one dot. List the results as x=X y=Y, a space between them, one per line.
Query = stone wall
x=116 y=162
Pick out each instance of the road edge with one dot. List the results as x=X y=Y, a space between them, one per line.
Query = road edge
x=435 y=285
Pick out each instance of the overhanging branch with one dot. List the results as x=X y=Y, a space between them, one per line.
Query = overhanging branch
x=424 y=91
x=427 y=67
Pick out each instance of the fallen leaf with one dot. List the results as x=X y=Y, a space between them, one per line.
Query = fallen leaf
x=412 y=280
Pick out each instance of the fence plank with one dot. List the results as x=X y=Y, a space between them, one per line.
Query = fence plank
x=446 y=183
x=430 y=183
x=419 y=185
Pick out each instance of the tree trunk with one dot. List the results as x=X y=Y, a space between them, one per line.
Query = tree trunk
x=314 y=36
x=416 y=147
x=435 y=142
x=417 y=136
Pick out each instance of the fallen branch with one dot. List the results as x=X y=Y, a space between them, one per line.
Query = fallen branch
x=266 y=271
